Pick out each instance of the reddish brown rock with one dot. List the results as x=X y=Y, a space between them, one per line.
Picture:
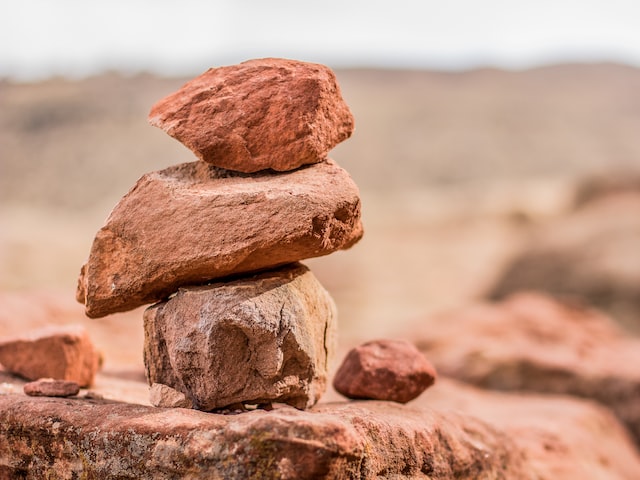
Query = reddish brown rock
x=384 y=370
x=192 y=223
x=48 y=387
x=119 y=338
x=61 y=353
x=532 y=342
x=260 y=339
x=268 y=113
x=489 y=435
x=562 y=437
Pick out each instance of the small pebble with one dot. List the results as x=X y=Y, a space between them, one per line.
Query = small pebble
x=384 y=370
x=48 y=387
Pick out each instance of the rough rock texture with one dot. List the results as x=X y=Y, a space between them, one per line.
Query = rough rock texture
x=268 y=113
x=193 y=222
x=532 y=342
x=60 y=352
x=48 y=387
x=384 y=370
x=259 y=339
x=592 y=255
x=164 y=396
x=562 y=437
x=518 y=437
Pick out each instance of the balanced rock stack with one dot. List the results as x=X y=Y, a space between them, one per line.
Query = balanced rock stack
x=216 y=242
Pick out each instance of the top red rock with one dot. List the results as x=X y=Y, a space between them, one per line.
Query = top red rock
x=261 y=114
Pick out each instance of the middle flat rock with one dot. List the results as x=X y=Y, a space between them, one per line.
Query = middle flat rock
x=194 y=222
x=260 y=339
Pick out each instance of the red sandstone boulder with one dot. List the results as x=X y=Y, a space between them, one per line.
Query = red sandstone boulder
x=532 y=342
x=384 y=370
x=255 y=340
x=192 y=223
x=48 y=387
x=61 y=352
x=267 y=113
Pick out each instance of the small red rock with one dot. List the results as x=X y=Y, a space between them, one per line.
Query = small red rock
x=384 y=370
x=48 y=387
x=266 y=113
x=60 y=352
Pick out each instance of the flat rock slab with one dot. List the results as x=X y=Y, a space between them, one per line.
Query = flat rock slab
x=48 y=387
x=532 y=342
x=550 y=439
x=562 y=437
x=58 y=352
x=259 y=339
x=266 y=113
x=192 y=223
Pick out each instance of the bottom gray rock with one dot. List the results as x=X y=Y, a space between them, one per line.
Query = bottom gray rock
x=259 y=339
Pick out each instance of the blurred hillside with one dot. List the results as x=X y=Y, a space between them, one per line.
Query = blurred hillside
x=79 y=144
x=455 y=170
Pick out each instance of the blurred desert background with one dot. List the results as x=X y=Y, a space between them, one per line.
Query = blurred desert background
x=474 y=183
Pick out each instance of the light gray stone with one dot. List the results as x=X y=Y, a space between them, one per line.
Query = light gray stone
x=166 y=397
x=259 y=339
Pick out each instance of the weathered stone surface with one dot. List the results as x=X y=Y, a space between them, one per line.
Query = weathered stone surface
x=532 y=342
x=562 y=437
x=384 y=370
x=193 y=222
x=267 y=113
x=259 y=339
x=515 y=437
x=48 y=387
x=164 y=396
x=591 y=254
x=60 y=352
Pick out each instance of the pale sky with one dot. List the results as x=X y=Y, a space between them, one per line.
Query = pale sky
x=39 y=38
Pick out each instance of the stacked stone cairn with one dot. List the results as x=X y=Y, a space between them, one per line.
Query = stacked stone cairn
x=214 y=244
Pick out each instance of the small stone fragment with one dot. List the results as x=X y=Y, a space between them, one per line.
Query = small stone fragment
x=48 y=387
x=266 y=113
x=93 y=395
x=166 y=397
x=384 y=370
x=259 y=339
x=58 y=352
x=193 y=223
